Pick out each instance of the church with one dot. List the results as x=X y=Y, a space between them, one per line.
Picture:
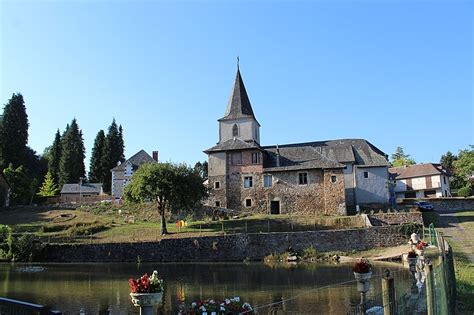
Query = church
x=321 y=178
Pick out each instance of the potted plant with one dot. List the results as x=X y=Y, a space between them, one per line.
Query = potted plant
x=420 y=248
x=362 y=269
x=146 y=291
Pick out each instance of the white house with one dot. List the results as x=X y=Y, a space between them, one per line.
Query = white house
x=122 y=173
x=427 y=180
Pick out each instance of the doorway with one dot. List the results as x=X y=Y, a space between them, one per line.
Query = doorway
x=275 y=207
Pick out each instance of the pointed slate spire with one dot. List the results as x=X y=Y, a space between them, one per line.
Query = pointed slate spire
x=239 y=104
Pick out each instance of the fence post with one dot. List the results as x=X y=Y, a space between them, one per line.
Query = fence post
x=429 y=287
x=388 y=292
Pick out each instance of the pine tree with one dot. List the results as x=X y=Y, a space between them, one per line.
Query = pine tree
x=54 y=158
x=14 y=132
x=49 y=188
x=71 y=166
x=399 y=158
x=114 y=148
x=97 y=169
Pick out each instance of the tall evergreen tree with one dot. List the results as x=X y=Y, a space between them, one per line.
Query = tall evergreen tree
x=54 y=157
x=114 y=153
x=97 y=169
x=14 y=132
x=71 y=166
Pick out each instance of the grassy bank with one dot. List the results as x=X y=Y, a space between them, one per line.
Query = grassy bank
x=105 y=223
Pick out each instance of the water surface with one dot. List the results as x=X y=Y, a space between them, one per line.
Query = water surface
x=97 y=288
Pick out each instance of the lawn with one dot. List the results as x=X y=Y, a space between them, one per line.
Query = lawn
x=458 y=229
x=109 y=223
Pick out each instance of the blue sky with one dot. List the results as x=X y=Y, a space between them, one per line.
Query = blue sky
x=397 y=73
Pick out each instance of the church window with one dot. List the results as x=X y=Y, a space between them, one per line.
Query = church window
x=248 y=202
x=217 y=185
x=333 y=178
x=255 y=158
x=248 y=182
x=237 y=158
x=235 y=131
x=303 y=178
x=267 y=180
x=366 y=174
x=218 y=204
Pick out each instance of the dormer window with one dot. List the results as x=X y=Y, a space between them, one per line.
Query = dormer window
x=235 y=131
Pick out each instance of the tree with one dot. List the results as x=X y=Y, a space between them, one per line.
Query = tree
x=14 y=132
x=463 y=170
x=114 y=153
x=97 y=169
x=201 y=169
x=447 y=161
x=54 y=157
x=22 y=187
x=49 y=188
x=399 y=158
x=170 y=186
x=71 y=166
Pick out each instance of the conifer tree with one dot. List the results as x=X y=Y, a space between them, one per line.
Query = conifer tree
x=14 y=132
x=49 y=188
x=97 y=169
x=71 y=166
x=114 y=148
x=54 y=157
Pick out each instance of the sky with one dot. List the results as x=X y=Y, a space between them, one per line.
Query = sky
x=397 y=73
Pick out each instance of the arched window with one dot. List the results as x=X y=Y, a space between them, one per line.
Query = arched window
x=235 y=131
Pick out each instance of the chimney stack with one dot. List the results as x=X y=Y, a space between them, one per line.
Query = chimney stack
x=155 y=155
x=278 y=156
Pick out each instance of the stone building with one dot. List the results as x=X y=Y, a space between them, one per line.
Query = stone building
x=323 y=177
x=122 y=173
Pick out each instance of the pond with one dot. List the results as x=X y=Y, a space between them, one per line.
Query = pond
x=98 y=288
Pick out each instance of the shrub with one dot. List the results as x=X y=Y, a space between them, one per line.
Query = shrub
x=464 y=191
x=6 y=241
x=310 y=252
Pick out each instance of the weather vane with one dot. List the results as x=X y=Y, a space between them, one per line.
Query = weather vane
x=238 y=60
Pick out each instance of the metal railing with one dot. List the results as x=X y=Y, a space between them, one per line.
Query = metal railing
x=15 y=307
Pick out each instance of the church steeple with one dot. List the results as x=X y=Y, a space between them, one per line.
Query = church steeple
x=239 y=121
x=239 y=104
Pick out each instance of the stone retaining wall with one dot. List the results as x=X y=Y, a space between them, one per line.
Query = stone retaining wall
x=396 y=218
x=237 y=247
x=443 y=204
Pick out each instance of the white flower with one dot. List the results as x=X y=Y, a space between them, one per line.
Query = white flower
x=202 y=308
x=193 y=304
x=236 y=299
x=227 y=301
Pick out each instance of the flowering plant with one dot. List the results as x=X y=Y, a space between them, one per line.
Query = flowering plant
x=228 y=306
x=146 y=284
x=421 y=245
x=362 y=265
x=411 y=254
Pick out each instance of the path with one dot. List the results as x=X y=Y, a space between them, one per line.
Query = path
x=459 y=228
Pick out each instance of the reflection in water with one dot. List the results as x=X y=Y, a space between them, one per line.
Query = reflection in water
x=98 y=288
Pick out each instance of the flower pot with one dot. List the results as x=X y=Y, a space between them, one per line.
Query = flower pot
x=412 y=264
x=362 y=276
x=146 y=301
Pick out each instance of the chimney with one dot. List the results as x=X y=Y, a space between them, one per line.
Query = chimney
x=155 y=155
x=278 y=156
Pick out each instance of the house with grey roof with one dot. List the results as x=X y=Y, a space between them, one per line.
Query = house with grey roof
x=321 y=177
x=427 y=180
x=4 y=191
x=122 y=173
x=81 y=192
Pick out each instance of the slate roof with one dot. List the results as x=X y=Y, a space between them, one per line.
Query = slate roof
x=325 y=154
x=233 y=144
x=86 y=188
x=141 y=157
x=418 y=170
x=239 y=103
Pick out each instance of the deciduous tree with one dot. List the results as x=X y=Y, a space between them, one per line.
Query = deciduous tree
x=49 y=188
x=170 y=186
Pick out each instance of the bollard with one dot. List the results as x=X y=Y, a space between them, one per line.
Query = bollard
x=429 y=287
x=388 y=291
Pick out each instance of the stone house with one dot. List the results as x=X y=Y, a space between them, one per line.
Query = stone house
x=122 y=173
x=322 y=177
x=81 y=192
x=4 y=191
x=428 y=180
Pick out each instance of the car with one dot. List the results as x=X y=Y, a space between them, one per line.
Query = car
x=424 y=206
